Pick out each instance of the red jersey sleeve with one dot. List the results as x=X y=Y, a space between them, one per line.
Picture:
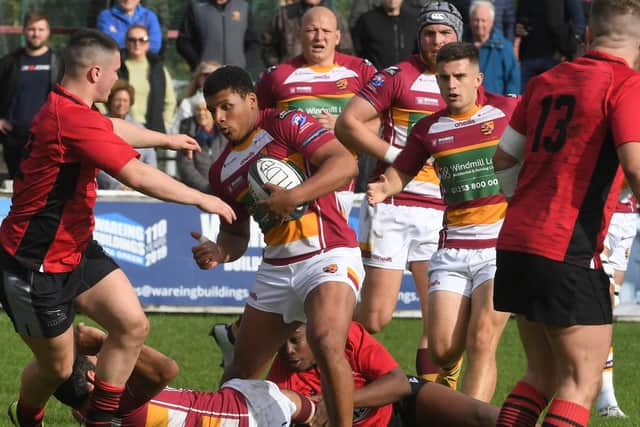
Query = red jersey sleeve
x=366 y=72
x=89 y=136
x=369 y=357
x=624 y=107
x=264 y=89
x=302 y=132
x=412 y=158
x=519 y=117
x=380 y=90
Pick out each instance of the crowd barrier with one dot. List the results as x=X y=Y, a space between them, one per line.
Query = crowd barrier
x=151 y=242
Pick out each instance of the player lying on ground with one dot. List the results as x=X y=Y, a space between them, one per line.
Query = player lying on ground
x=149 y=402
x=383 y=395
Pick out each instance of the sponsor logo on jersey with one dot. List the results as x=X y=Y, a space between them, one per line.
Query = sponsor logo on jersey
x=285 y=113
x=302 y=89
x=487 y=127
x=425 y=100
x=253 y=296
x=445 y=140
x=331 y=268
x=298 y=119
x=342 y=84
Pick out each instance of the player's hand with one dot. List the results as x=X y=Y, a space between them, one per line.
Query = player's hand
x=88 y=339
x=215 y=205
x=5 y=126
x=321 y=418
x=378 y=191
x=207 y=254
x=281 y=202
x=327 y=120
x=184 y=143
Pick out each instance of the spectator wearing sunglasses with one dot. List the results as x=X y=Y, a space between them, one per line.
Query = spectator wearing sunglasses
x=156 y=99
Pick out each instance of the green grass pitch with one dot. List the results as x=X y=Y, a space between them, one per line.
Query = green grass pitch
x=184 y=337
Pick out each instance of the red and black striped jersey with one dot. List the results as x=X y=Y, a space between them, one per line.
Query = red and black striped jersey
x=51 y=217
x=574 y=117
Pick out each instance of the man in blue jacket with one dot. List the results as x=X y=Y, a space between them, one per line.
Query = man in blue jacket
x=117 y=20
x=498 y=61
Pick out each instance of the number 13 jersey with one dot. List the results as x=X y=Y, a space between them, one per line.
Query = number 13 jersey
x=574 y=117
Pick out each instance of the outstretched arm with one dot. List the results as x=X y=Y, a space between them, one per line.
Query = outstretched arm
x=141 y=138
x=152 y=182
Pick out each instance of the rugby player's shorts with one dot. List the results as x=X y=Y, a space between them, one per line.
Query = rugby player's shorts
x=391 y=236
x=41 y=304
x=284 y=288
x=619 y=239
x=551 y=292
x=268 y=406
x=461 y=271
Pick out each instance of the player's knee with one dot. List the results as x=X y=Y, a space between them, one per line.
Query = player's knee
x=325 y=344
x=482 y=341
x=57 y=372
x=374 y=321
x=136 y=330
x=444 y=355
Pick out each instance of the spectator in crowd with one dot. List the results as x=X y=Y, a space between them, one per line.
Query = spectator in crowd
x=216 y=30
x=281 y=41
x=119 y=104
x=546 y=33
x=193 y=91
x=151 y=80
x=498 y=61
x=26 y=76
x=200 y=126
x=386 y=34
x=505 y=17
x=360 y=7
x=117 y=20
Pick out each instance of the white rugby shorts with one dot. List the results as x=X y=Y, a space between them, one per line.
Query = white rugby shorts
x=267 y=405
x=619 y=239
x=391 y=236
x=461 y=271
x=283 y=288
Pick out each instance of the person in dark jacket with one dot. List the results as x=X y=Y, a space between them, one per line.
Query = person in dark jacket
x=498 y=61
x=26 y=77
x=216 y=30
x=547 y=36
x=281 y=41
x=150 y=79
x=387 y=34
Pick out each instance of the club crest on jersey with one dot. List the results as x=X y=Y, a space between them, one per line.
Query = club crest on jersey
x=298 y=119
x=378 y=80
x=342 y=84
x=331 y=268
x=487 y=127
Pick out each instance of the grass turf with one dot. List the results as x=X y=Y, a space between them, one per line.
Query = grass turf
x=184 y=337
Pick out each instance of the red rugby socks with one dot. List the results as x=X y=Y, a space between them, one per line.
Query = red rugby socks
x=522 y=407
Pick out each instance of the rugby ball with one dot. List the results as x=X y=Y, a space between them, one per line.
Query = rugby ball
x=282 y=173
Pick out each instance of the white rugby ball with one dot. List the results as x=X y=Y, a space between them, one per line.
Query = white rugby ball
x=282 y=173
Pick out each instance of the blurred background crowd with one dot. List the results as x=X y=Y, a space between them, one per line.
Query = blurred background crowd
x=169 y=47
